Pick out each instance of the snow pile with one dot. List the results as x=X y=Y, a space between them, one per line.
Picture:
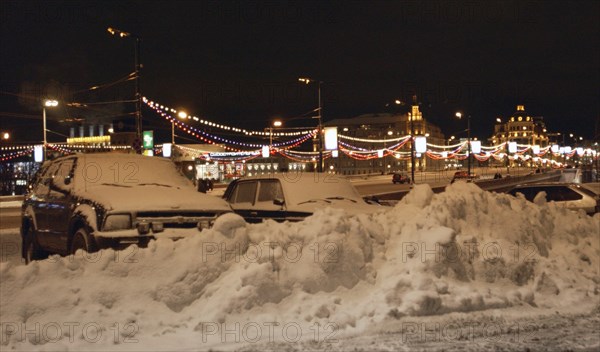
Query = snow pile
x=235 y=284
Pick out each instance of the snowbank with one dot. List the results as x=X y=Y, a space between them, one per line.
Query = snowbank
x=333 y=274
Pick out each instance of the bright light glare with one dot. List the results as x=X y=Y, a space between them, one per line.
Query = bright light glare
x=182 y=114
x=277 y=123
x=51 y=103
x=458 y=114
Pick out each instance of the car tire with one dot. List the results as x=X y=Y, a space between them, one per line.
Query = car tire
x=31 y=248
x=83 y=240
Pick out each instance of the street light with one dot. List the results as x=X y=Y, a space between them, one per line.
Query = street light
x=459 y=115
x=412 y=141
x=181 y=115
x=50 y=103
x=320 y=127
x=276 y=123
x=5 y=135
x=138 y=96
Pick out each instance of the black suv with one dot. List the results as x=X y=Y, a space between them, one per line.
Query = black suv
x=102 y=200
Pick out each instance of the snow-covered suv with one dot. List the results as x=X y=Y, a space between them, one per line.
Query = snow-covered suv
x=102 y=200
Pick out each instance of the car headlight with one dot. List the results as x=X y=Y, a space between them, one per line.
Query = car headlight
x=117 y=222
x=157 y=226
x=204 y=224
x=143 y=228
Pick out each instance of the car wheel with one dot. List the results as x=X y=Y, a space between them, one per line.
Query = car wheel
x=83 y=240
x=31 y=249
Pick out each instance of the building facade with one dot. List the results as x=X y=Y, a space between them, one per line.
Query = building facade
x=522 y=128
x=385 y=126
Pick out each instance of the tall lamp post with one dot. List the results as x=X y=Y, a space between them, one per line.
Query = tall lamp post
x=412 y=142
x=276 y=123
x=181 y=115
x=138 y=66
x=320 y=127
x=459 y=115
x=50 y=103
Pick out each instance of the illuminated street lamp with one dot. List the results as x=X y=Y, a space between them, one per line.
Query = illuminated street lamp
x=181 y=115
x=459 y=115
x=5 y=135
x=320 y=127
x=49 y=103
x=276 y=123
x=412 y=141
x=138 y=96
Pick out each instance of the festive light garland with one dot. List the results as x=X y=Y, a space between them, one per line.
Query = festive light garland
x=356 y=139
x=14 y=155
x=165 y=109
x=17 y=147
x=209 y=138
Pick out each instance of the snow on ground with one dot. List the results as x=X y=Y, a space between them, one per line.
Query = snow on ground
x=330 y=278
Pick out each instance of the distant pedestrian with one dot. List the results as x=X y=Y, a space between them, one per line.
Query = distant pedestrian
x=202 y=186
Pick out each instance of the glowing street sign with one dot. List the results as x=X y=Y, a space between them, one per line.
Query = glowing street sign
x=476 y=147
x=331 y=142
x=166 y=150
x=554 y=148
x=265 y=151
x=380 y=153
x=535 y=149
x=38 y=153
x=148 y=139
x=420 y=144
x=512 y=147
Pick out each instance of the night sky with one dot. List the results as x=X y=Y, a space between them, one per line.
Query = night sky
x=238 y=62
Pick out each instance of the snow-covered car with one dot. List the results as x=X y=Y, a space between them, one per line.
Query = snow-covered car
x=464 y=175
x=293 y=196
x=400 y=178
x=110 y=200
x=569 y=195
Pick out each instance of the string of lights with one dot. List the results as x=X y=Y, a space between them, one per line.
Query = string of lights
x=159 y=107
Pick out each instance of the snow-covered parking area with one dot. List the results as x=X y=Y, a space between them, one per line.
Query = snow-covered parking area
x=460 y=270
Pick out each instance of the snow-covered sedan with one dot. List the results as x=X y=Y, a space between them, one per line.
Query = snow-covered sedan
x=569 y=195
x=102 y=200
x=293 y=196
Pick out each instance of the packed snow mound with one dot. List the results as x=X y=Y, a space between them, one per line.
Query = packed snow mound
x=461 y=250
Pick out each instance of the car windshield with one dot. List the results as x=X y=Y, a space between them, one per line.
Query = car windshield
x=126 y=170
x=324 y=189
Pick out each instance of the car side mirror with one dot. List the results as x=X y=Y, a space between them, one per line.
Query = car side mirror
x=278 y=201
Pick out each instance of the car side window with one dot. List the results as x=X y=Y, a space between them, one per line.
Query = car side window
x=564 y=194
x=63 y=177
x=43 y=182
x=269 y=190
x=245 y=192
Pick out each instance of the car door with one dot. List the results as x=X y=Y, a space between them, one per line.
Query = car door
x=60 y=204
x=242 y=198
x=38 y=203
